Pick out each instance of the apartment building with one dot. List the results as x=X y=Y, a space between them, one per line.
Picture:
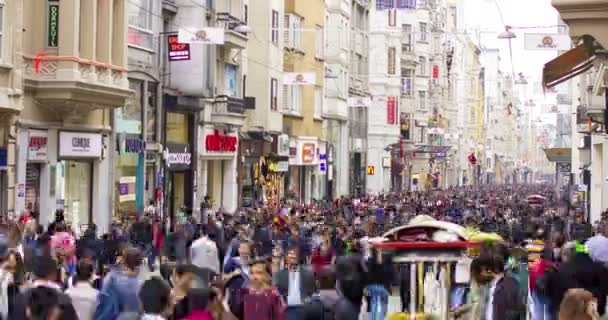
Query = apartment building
x=75 y=75
x=303 y=98
x=11 y=104
x=263 y=146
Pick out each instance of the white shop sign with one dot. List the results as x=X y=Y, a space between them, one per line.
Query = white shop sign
x=544 y=41
x=79 y=145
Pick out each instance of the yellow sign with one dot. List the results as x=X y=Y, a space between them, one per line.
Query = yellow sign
x=371 y=170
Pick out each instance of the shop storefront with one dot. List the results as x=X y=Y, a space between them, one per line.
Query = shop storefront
x=301 y=180
x=128 y=177
x=178 y=161
x=218 y=168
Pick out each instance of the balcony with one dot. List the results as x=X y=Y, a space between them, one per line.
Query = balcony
x=229 y=110
x=232 y=38
x=585 y=17
x=65 y=83
x=359 y=41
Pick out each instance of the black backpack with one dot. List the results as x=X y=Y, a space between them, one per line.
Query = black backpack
x=325 y=305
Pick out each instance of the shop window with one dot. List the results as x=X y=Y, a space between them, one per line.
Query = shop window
x=141 y=21
x=274 y=88
x=32 y=187
x=178 y=127
x=75 y=181
x=274 y=33
x=131 y=111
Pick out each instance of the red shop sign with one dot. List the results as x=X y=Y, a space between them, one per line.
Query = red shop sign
x=435 y=72
x=391 y=110
x=216 y=143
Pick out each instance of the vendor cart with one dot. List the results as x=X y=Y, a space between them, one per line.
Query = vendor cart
x=430 y=248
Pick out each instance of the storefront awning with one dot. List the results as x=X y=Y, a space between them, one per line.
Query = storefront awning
x=431 y=149
x=558 y=154
x=568 y=65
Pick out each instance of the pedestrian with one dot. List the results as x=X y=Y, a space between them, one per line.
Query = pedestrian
x=504 y=299
x=578 y=304
x=83 y=295
x=295 y=283
x=45 y=272
x=155 y=298
x=44 y=303
x=183 y=280
x=198 y=301
x=350 y=283
x=119 y=293
x=236 y=271
x=322 y=304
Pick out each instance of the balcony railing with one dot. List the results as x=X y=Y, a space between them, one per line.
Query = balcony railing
x=226 y=104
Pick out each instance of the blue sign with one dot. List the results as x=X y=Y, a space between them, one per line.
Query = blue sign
x=3 y=159
x=323 y=156
x=322 y=166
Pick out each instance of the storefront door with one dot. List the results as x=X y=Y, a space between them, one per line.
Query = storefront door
x=32 y=187
x=76 y=191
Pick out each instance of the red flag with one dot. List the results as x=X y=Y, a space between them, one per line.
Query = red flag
x=472 y=159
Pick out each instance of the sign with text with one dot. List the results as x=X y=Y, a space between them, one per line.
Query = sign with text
x=391 y=110
x=126 y=189
x=37 y=149
x=178 y=156
x=201 y=36
x=371 y=170
x=299 y=78
x=220 y=143
x=544 y=41
x=177 y=51
x=79 y=145
x=308 y=152
x=53 y=24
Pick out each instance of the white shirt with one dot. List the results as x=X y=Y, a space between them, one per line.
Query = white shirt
x=84 y=300
x=293 y=294
x=490 y=305
x=204 y=254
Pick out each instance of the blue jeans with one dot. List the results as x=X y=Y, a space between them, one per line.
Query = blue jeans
x=540 y=308
x=152 y=255
x=293 y=313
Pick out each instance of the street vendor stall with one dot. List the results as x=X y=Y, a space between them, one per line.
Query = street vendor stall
x=439 y=255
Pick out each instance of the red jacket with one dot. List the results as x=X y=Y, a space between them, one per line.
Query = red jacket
x=199 y=315
x=319 y=261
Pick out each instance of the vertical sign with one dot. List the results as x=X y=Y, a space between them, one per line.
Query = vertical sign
x=391 y=106
x=177 y=51
x=371 y=170
x=53 y=24
x=435 y=72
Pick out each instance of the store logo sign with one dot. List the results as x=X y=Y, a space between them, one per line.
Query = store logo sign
x=178 y=51
x=80 y=145
x=53 y=25
x=308 y=152
x=283 y=145
x=37 y=145
x=218 y=143
x=178 y=156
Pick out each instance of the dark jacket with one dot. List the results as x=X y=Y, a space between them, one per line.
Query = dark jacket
x=507 y=303
x=346 y=310
x=18 y=311
x=307 y=283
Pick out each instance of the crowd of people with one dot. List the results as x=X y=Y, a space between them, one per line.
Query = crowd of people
x=286 y=261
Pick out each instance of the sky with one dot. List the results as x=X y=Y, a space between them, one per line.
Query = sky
x=484 y=15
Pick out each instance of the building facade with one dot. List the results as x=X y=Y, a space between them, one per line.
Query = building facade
x=75 y=75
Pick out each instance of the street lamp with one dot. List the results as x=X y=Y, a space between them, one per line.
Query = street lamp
x=507 y=34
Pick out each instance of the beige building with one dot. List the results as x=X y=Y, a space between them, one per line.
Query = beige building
x=75 y=74
x=11 y=96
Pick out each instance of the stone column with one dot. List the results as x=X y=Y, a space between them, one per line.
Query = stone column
x=230 y=185
x=88 y=37
x=104 y=39
x=69 y=29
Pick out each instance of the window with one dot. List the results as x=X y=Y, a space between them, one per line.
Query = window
x=141 y=20
x=454 y=17
x=318 y=102
x=406 y=44
x=293 y=31
x=392 y=17
x=419 y=134
x=344 y=32
x=343 y=90
x=423 y=31
x=292 y=99
x=422 y=100
x=406 y=4
x=274 y=93
x=1 y=26
x=385 y=4
x=391 y=60
x=151 y=112
x=422 y=66
x=319 y=42
x=274 y=33
x=246 y=14
x=407 y=78
x=244 y=86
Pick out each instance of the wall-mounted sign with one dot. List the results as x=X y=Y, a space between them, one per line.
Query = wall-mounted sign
x=201 y=36
x=37 y=145
x=391 y=110
x=177 y=51
x=283 y=145
x=544 y=41
x=126 y=189
x=308 y=152
x=361 y=102
x=53 y=24
x=371 y=170
x=283 y=166
x=299 y=78
x=79 y=145
x=3 y=159
x=178 y=156
x=220 y=143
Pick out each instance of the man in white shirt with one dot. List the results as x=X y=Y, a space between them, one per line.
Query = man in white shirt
x=203 y=253
x=296 y=284
x=84 y=296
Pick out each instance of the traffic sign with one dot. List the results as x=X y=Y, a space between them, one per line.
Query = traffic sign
x=371 y=170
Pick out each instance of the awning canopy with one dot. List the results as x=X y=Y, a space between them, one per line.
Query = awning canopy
x=558 y=154
x=431 y=149
x=568 y=65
